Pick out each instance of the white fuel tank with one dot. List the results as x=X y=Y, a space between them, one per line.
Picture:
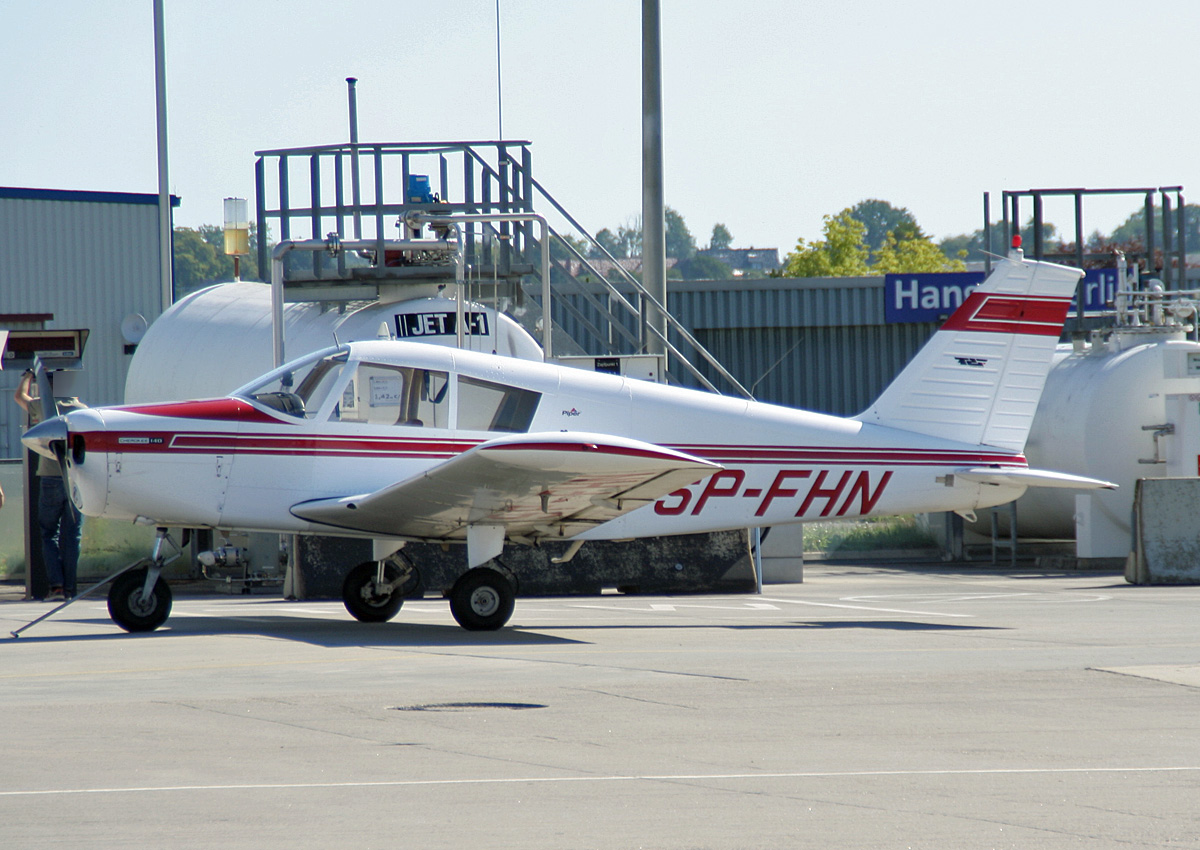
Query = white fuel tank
x=1096 y=418
x=214 y=340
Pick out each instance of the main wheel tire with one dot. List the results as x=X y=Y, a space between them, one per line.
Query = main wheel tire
x=126 y=607
x=360 y=598
x=482 y=600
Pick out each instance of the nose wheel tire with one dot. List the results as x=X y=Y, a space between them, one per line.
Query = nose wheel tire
x=482 y=600
x=130 y=611
x=362 y=599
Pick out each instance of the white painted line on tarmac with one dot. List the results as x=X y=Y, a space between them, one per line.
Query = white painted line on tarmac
x=554 y=780
x=1028 y=597
x=865 y=608
x=761 y=603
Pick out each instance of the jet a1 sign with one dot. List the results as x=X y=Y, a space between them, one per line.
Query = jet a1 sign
x=933 y=296
x=441 y=323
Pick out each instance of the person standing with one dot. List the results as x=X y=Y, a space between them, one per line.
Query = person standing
x=61 y=524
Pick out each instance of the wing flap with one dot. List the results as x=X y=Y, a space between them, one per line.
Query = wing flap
x=1031 y=478
x=533 y=485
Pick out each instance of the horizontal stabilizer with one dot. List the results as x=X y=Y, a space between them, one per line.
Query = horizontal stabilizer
x=1031 y=478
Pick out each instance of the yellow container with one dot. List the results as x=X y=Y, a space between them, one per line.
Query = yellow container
x=237 y=241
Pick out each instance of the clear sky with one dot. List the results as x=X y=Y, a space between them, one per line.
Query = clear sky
x=776 y=112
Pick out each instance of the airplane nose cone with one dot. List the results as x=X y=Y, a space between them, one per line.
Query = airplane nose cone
x=40 y=436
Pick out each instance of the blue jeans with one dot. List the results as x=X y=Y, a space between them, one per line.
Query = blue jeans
x=62 y=528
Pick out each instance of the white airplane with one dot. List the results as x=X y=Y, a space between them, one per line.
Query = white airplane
x=398 y=442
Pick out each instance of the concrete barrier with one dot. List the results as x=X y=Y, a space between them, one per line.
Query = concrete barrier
x=783 y=555
x=1166 y=532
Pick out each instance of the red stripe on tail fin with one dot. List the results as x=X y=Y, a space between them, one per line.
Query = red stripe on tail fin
x=989 y=312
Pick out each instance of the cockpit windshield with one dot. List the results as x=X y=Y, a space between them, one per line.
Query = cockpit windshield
x=300 y=387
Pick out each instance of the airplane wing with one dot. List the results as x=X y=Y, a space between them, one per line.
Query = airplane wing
x=524 y=487
x=1031 y=478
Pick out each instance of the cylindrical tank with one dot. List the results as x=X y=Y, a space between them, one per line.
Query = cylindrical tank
x=214 y=340
x=1092 y=420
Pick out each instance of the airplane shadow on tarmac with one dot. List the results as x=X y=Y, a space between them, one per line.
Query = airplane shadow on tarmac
x=897 y=625
x=331 y=634
x=349 y=633
x=893 y=625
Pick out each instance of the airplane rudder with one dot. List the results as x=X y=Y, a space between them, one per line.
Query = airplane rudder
x=1020 y=297
x=978 y=378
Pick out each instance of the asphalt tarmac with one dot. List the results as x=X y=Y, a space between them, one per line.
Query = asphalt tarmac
x=870 y=707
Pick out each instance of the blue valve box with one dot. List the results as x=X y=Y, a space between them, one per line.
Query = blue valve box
x=418 y=189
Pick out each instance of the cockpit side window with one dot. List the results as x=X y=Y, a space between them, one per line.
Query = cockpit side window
x=486 y=406
x=318 y=382
x=301 y=391
x=383 y=394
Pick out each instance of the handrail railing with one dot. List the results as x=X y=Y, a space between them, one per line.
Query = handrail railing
x=505 y=189
x=672 y=323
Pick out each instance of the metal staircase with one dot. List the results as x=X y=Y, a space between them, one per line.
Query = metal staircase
x=372 y=193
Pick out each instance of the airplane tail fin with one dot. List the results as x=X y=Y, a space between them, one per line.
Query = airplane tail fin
x=979 y=378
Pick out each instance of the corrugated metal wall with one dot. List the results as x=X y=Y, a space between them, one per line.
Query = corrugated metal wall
x=819 y=344
x=90 y=259
x=831 y=370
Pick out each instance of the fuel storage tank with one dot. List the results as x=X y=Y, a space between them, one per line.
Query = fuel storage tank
x=1102 y=415
x=214 y=340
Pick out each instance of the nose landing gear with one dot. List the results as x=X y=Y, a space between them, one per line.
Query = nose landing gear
x=140 y=599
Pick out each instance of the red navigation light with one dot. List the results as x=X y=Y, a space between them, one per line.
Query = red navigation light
x=1016 y=240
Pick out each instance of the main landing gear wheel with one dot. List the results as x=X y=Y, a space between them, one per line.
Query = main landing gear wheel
x=130 y=611
x=362 y=597
x=482 y=600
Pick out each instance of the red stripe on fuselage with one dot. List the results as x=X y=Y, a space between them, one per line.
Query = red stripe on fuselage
x=222 y=409
x=284 y=445
x=990 y=312
x=323 y=445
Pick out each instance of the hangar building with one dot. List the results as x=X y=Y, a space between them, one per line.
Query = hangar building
x=76 y=260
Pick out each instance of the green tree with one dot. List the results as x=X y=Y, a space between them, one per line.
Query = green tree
x=881 y=218
x=680 y=242
x=607 y=240
x=200 y=259
x=964 y=246
x=911 y=251
x=1133 y=229
x=975 y=247
x=627 y=241
x=701 y=267
x=563 y=251
x=560 y=248
x=721 y=237
x=196 y=262
x=842 y=253
x=629 y=237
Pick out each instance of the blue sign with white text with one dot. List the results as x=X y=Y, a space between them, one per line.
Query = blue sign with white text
x=933 y=296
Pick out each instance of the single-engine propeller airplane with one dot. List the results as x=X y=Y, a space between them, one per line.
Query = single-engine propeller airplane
x=399 y=442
